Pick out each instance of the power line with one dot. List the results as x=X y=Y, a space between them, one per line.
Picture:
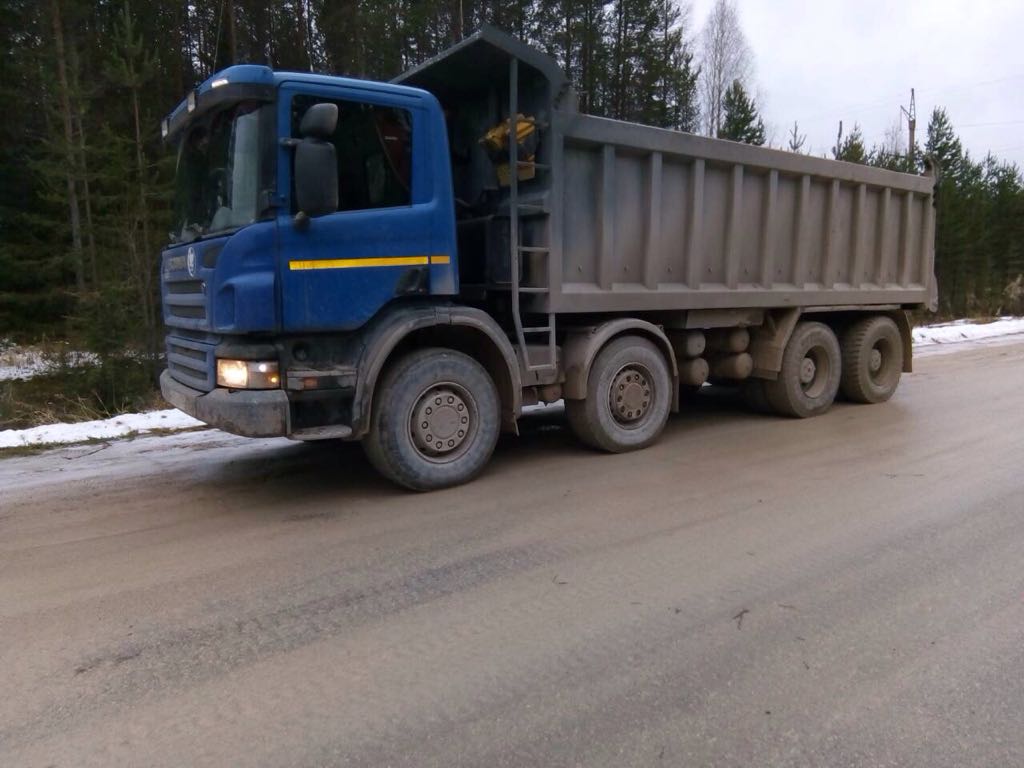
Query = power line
x=875 y=105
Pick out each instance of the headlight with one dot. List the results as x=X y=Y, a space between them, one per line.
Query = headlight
x=248 y=374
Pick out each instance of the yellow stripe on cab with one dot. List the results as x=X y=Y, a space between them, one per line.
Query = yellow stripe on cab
x=371 y=261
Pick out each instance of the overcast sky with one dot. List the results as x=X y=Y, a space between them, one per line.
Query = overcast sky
x=856 y=61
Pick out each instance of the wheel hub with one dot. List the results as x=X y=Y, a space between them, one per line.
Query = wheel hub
x=875 y=360
x=808 y=369
x=440 y=421
x=630 y=395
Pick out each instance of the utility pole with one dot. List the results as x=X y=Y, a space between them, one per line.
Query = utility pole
x=911 y=125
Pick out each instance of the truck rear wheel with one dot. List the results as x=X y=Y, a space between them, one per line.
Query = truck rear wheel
x=872 y=360
x=435 y=421
x=811 y=369
x=629 y=395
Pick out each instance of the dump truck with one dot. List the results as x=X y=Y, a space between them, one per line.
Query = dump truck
x=409 y=264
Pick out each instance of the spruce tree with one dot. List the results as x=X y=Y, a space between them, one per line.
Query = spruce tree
x=741 y=121
x=796 y=139
x=677 y=91
x=852 y=148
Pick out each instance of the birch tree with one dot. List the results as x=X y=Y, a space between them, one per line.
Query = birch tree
x=725 y=58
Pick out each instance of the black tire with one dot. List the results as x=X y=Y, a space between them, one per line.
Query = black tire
x=629 y=372
x=754 y=396
x=872 y=360
x=446 y=392
x=811 y=369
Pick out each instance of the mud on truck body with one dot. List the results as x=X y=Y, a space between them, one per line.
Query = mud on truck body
x=410 y=263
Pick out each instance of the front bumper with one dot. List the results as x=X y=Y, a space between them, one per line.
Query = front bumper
x=257 y=413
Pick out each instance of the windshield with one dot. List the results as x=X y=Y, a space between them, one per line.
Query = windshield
x=225 y=172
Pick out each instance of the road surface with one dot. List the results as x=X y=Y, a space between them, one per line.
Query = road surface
x=751 y=591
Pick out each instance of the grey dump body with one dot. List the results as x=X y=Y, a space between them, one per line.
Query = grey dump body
x=628 y=218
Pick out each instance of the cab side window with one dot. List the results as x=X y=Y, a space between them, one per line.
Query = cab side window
x=374 y=150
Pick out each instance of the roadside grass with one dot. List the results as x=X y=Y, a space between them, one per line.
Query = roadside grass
x=68 y=394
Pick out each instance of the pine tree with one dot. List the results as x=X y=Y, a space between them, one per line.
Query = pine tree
x=677 y=90
x=959 y=191
x=852 y=149
x=796 y=139
x=741 y=121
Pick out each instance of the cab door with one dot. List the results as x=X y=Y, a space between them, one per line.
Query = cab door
x=394 y=232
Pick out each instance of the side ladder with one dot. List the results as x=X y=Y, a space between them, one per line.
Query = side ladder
x=515 y=211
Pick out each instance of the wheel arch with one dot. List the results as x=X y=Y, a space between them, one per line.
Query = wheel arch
x=902 y=320
x=582 y=346
x=465 y=329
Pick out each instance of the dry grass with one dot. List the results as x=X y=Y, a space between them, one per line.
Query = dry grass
x=76 y=394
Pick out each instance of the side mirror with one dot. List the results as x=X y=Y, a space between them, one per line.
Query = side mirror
x=316 y=162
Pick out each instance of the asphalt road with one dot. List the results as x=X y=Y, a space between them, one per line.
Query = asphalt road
x=751 y=591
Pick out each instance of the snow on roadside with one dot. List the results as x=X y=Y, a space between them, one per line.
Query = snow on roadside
x=928 y=336
x=102 y=429
x=966 y=330
x=25 y=362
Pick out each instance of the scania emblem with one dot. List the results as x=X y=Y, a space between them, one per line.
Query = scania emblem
x=190 y=260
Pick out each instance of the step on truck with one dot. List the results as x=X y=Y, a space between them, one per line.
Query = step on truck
x=409 y=264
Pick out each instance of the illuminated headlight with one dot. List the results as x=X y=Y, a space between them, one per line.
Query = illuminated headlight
x=248 y=374
x=191 y=101
x=165 y=128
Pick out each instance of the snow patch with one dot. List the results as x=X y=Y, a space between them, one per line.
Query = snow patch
x=102 y=429
x=17 y=362
x=960 y=331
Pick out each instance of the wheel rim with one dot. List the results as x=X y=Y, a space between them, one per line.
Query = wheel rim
x=815 y=369
x=879 y=363
x=443 y=422
x=631 y=395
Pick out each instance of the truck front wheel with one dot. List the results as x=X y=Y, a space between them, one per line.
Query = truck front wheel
x=809 y=378
x=629 y=396
x=435 y=421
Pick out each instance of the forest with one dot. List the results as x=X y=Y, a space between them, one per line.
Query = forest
x=85 y=181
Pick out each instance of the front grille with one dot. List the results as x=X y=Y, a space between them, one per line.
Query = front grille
x=186 y=287
x=191 y=362
x=186 y=311
x=185 y=303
